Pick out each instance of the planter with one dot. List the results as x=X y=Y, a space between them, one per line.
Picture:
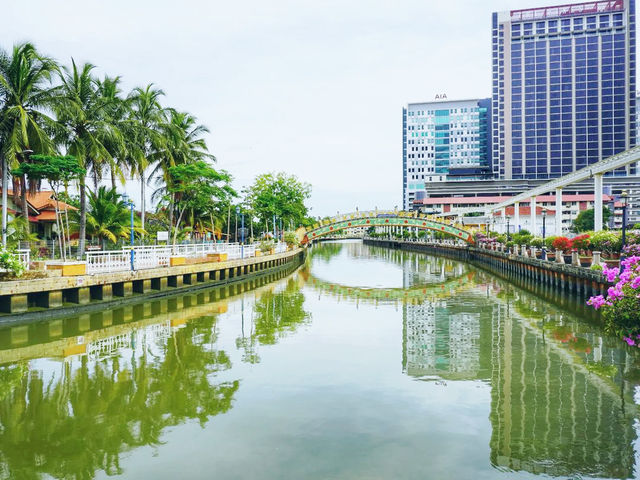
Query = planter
x=175 y=261
x=217 y=257
x=567 y=259
x=272 y=251
x=585 y=261
x=611 y=263
x=68 y=269
x=258 y=253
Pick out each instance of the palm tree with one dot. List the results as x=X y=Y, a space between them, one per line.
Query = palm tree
x=144 y=133
x=108 y=216
x=26 y=93
x=87 y=130
x=183 y=144
x=116 y=111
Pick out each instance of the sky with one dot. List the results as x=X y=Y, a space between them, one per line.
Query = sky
x=314 y=89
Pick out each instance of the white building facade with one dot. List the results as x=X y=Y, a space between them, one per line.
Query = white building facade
x=444 y=141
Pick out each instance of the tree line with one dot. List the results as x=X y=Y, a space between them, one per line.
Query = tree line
x=49 y=110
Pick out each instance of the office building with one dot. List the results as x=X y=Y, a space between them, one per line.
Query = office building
x=564 y=88
x=444 y=141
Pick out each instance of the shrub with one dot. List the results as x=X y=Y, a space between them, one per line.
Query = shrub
x=606 y=241
x=266 y=245
x=596 y=268
x=561 y=243
x=291 y=239
x=581 y=242
x=621 y=306
x=422 y=233
x=548 y=242
x=536 y=242
x=632 y=250
x=523 y=237
x=9 y=261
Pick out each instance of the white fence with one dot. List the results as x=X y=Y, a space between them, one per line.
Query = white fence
x=24 y=257
x=155 y=256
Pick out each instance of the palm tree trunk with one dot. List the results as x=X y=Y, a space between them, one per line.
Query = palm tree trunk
x=82 y=230
x=23 y=198
x=171 y=207
x=113 y=177
x=142 y=201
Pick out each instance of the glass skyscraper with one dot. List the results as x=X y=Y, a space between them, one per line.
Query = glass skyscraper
x=446 y=140
x=564 y=88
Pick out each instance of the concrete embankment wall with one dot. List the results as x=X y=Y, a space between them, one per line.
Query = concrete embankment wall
x=39 y=298
x=563 y=279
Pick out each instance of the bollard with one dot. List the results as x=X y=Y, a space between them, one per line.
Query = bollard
x=596 y=259
x=575 y=258
x=559 y=256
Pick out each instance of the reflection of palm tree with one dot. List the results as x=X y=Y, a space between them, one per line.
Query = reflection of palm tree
x=274 y=316
x=83 y=422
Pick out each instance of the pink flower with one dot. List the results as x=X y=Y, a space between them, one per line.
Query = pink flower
x=629 y=340
x=597 y=301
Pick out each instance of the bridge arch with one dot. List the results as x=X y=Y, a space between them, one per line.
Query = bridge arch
x=378 y=218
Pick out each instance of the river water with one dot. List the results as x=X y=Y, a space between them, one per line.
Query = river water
x=366 y=363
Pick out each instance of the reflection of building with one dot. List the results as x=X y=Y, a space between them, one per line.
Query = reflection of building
x=440 y=342
x=548 y=413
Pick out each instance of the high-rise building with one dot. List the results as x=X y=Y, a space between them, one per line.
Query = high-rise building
x=444 y=141
x=564 y=87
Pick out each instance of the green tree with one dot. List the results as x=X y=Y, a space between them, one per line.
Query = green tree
x=144 y=128
x=183 y=144
x=57 y=170
x=278 y=194
x=197 y=187
x=86 y=130
x=584 y=222
x=108 y=217
x=26 y=95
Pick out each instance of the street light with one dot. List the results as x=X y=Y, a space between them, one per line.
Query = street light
x=508 y=230
x=625 y=197
x=544 y=232
x=130 y=204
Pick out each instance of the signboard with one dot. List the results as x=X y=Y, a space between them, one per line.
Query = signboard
x=163 y=236
x=567 y=10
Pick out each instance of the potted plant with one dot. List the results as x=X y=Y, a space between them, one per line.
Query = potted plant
x=291 y=239
x=267 y=246
x=564 y=245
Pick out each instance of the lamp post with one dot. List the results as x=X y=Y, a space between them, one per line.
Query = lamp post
x=508 y=230
x=625 y=197
x=544 y=232
x=130 y=204
x=237 y=211
x=242 y=236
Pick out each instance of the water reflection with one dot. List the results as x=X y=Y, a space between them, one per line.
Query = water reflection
x=78 y=393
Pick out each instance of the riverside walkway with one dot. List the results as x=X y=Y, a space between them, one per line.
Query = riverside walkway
x=72 y=285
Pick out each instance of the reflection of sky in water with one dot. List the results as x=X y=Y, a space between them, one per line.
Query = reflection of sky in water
x=358 y=271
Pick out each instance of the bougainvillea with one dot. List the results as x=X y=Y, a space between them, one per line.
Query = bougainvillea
x=621 y=306
x=581 y=242
x=562 y=243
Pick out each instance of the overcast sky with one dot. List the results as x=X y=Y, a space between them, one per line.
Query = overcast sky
x=315 y=89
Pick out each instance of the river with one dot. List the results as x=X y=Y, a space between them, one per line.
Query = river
x=365 y=363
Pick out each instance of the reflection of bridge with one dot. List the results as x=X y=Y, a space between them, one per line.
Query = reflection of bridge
x=413 y=294
x=388 y=219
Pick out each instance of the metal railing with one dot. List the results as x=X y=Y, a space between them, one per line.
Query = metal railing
x=156 y=256
x=24 y=255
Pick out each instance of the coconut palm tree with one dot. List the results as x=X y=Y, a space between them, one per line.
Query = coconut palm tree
x=143 y=132
x=87 y=131
x=183 y=144
x=116 y=112
x=108 y=216
x=26 y=95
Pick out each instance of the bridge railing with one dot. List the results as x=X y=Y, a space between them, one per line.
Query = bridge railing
x=383 y=213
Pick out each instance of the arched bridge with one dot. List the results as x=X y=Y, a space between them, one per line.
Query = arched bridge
x=380 y=218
